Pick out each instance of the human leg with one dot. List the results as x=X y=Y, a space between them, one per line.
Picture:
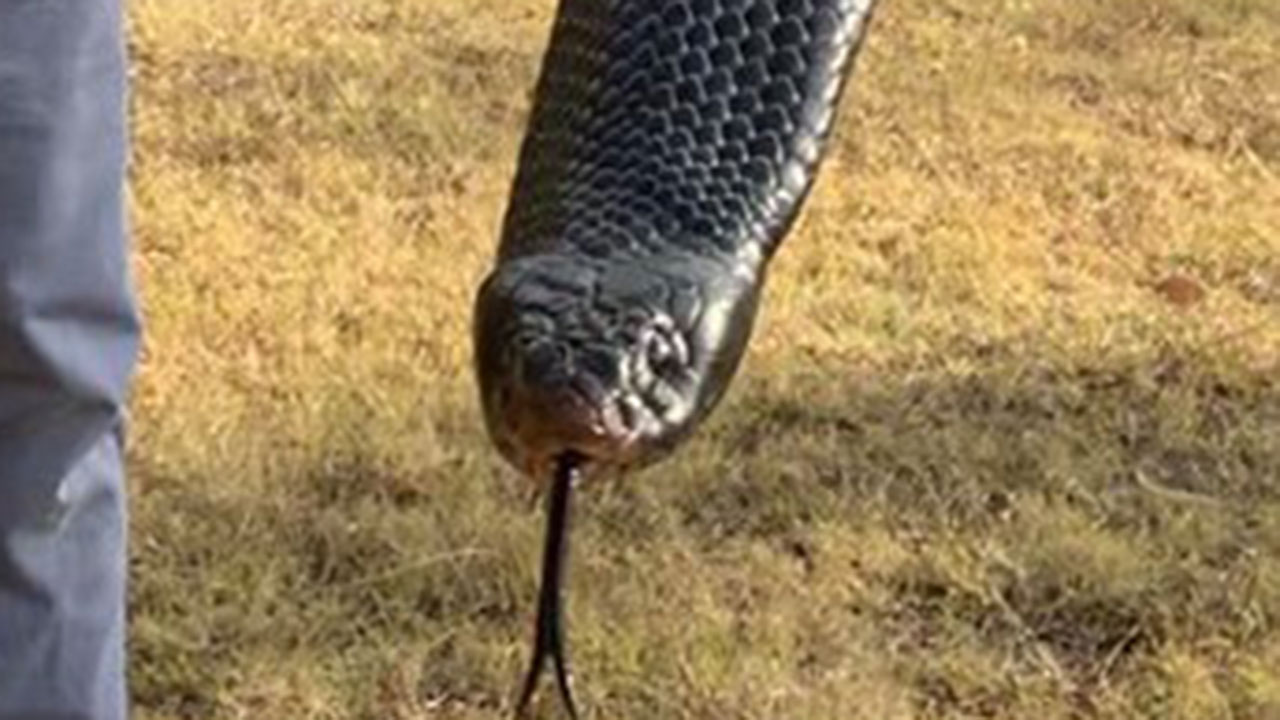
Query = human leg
x=68 y=341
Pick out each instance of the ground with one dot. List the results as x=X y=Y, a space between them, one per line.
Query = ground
x=1006 y=443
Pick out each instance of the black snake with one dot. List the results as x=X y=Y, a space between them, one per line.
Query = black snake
x=670 y=147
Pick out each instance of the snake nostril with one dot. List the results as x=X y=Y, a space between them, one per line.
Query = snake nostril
x=546 y=363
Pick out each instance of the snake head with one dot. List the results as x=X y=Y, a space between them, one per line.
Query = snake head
x=614 y=360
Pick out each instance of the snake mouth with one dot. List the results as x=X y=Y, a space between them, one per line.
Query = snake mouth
x=541 y=424
x=615 y=406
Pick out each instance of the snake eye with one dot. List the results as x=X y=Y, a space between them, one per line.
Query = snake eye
x=665 y=351
x=659 y=349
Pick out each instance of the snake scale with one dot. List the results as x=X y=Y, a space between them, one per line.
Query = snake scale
x=670 y=146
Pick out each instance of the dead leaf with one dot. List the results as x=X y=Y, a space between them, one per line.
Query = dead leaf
x=1181 y=290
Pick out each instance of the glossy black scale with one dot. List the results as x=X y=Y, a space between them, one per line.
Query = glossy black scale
x=669 y=148
x=713 y=110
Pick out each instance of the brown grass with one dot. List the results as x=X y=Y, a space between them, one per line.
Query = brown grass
x=981 y=462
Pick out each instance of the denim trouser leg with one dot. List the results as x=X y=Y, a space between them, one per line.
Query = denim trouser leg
x=68 y=341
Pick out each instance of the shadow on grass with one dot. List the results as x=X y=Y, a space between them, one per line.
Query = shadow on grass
x=1069 y=524
x=1081 y=524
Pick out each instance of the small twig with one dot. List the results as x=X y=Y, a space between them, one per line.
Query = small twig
x=1104 y=672
x=1243 y=148
x=1043 y=653
x=1174 y=494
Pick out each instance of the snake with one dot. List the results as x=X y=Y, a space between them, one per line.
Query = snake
x=669 y=148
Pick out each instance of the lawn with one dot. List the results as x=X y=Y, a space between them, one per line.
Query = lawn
x=1006 y=443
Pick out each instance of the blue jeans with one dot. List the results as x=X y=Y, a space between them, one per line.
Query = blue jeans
x=68 y=343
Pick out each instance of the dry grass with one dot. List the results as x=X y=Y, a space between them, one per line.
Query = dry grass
x=1007 y=443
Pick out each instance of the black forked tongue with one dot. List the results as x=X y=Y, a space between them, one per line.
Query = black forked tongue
x=549 y=637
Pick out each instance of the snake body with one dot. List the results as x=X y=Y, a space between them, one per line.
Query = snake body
x=670 y=146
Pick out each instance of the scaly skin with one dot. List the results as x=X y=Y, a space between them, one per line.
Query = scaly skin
x=670 y=147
